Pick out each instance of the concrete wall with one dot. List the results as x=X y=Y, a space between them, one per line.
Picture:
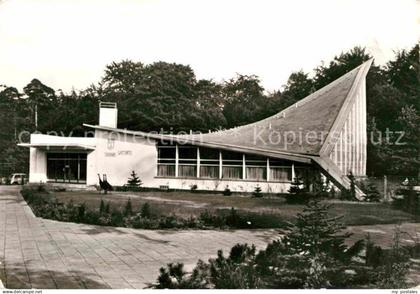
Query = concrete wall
x=116 y=155
x=37 y=166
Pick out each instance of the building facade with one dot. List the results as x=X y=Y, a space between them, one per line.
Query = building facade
x=322 y=134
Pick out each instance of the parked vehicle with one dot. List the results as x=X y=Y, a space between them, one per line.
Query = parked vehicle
x=18 y=178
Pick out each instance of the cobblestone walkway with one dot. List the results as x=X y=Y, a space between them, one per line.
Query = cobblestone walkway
x=38 y=253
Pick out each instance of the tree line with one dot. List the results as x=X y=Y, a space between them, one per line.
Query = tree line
x=169 y=96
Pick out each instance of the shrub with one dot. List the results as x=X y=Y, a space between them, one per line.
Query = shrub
x=59 y=189
x=71 y=212
x=170 y=222
x=409 y=200
x=107 y=208
x=371 y=191
x=352 y=185
x=91 y=217
x=239 y=266
x=300 y=198
x=316 y=232
x=102 y=207
x=237 y=220
x=257 y=192
x=128 y=210
x=133 y=183
x=47 y=207
x=145 y=210
x=297 y=193
x=262 y=221
x=312 y=254
x=212 y=220
x=320 y=187
x=332 y=192
x=174 y=277
x=41 y=188
x=349 y=194
x=140 y=222
x=227 y=191
x=121 y=188
x=412 y=198
x=295 y=186
x=233 y=219
x=193 y=188
x=81 y=209
x=374 y=254
x=117 y=218
x=391 y=275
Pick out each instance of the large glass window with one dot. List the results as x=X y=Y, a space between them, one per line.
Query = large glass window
x=66 y=167
x=166 y=159
x=209 y=163
x=182 y=161
x=280 y=170
x=187 y=166
x=256 y=167
x=232 y=165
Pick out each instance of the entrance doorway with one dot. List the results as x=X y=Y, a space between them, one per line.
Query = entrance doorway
x=66 y=167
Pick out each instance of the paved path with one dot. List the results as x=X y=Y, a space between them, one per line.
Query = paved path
x=38 y=253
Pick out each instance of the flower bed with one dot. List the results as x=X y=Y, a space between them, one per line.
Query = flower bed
x=47 y=206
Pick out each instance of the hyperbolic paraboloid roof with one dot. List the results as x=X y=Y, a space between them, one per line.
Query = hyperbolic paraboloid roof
x=301 y=128
x=302 y=132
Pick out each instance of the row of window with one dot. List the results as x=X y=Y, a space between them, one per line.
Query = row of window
x=212 y=162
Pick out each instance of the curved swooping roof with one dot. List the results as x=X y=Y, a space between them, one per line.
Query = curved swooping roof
x=301 y=128
x=302 y=132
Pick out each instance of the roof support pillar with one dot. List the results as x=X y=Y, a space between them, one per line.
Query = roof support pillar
x=220 y=164
x=198 y=162
x=293 y=172
x=78 y=167
x=176 y=160
x=243 y=167
x=346 y=142
x=268 y=169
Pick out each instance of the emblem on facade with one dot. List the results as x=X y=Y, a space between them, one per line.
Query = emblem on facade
x=110 y=144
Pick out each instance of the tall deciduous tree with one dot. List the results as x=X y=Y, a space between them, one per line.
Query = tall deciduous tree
x=12 y=121
x=244 y=100
x=298 y=86
x=340 y=65
x=42 y=101
x=210 y=103
x=404 y=73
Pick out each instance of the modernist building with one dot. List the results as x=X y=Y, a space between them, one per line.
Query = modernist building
x=322 y=133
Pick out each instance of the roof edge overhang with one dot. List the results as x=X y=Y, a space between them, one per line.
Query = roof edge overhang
x=58 y=146
x=345 y=109
x=184 y=140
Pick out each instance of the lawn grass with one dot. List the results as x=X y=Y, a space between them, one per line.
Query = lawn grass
x=186 y=204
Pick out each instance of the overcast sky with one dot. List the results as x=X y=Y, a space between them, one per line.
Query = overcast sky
x=67 y=43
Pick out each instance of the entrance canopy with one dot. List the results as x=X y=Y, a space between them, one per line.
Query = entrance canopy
x=60 y=143
x=59 y=146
